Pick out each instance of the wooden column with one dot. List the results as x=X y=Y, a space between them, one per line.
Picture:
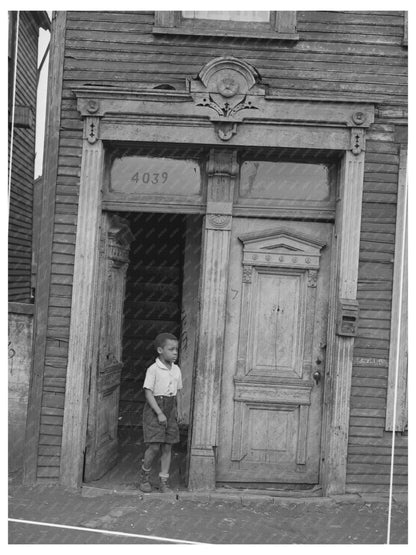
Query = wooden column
x=340 y=348
x=222 y=170
x=83 y=307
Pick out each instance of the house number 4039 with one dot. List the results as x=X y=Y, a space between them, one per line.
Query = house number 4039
x=149 y=177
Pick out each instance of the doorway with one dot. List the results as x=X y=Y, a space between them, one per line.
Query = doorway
x=160 y=288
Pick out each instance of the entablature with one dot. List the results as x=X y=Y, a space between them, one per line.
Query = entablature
x=226 y=96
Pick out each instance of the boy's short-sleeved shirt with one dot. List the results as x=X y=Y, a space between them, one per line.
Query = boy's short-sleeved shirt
x=162 y=380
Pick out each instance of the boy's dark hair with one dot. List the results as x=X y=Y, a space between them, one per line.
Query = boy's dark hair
x=161 y=339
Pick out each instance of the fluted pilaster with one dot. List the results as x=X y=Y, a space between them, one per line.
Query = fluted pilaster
x=83 y=297
x=222 y=170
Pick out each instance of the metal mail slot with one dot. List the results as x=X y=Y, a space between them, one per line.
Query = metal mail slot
x=347 y=317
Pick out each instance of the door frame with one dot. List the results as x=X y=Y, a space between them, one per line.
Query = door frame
x=149 y=116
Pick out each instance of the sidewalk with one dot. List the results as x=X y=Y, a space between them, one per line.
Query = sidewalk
x=216 y=518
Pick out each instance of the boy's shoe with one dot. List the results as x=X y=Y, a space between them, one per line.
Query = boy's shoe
x=144 y=481
x=163 y=486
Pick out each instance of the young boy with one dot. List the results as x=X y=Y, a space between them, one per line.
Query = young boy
x=160 y=427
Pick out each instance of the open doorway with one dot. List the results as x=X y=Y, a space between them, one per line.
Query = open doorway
x=160 y=295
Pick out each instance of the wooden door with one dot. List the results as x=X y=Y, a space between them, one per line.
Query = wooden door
x=271 y=405
x=102 y=445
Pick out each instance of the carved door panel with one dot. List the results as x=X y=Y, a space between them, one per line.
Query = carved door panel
x=271 y=404
x=102 y=444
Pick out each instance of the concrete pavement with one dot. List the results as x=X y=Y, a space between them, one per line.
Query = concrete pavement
x=216 y=518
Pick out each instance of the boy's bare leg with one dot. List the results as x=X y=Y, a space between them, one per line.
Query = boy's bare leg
x=165 y=459
x=150 y=454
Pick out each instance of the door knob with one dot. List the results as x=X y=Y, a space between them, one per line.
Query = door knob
x=317 y=377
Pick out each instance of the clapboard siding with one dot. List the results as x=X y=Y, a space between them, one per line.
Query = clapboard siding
x=369 y=463
x=23 y=159
x=112 y=48
x=354 y=55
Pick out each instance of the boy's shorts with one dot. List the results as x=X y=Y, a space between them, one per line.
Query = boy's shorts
x=153 y=431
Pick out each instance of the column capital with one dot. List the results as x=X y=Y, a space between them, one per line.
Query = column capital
x=222 y=162
x=222 y=170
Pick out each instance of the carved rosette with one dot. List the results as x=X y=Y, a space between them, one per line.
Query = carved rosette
x=218 y=221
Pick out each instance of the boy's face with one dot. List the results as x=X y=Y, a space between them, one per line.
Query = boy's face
x=169 y=352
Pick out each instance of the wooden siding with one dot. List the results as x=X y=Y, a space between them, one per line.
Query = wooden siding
x=23 y=160
x=369 y=452
x=340 y=55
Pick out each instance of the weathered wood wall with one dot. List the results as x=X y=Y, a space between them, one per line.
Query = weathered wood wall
x=23 y=161
x=351 y=55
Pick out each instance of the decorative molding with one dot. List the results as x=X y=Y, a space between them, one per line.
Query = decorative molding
x=92 y=106
x=225 y=131
x=312 y=278
x=227 y=87
x=357 y=140
x=226 y=90
x=222 y=163
x=91 y=129
x=281 y=248
x=359 y=118
x=218 y=221
x=247 y=274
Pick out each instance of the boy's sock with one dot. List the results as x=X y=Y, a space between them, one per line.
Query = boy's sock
x=163 y=485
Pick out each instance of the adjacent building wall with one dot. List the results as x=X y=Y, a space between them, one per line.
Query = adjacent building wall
x=23 y=52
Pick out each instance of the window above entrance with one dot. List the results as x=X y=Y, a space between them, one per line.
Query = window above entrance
x=263 y=16
x=245 y=24
x=301 y=184
x=284 y=181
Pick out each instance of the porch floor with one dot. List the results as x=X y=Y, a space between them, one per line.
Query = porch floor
x=124 y=475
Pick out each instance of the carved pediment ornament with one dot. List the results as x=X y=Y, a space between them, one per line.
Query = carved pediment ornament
x=281 y=248
x=227 y=87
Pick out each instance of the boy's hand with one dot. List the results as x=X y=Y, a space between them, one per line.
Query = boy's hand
x=162 y=419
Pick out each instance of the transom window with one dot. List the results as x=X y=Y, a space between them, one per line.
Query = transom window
x=284 y=181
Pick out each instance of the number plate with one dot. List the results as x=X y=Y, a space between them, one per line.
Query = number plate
x=148 y=175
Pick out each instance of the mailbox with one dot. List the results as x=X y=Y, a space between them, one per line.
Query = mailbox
x=347 y=317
